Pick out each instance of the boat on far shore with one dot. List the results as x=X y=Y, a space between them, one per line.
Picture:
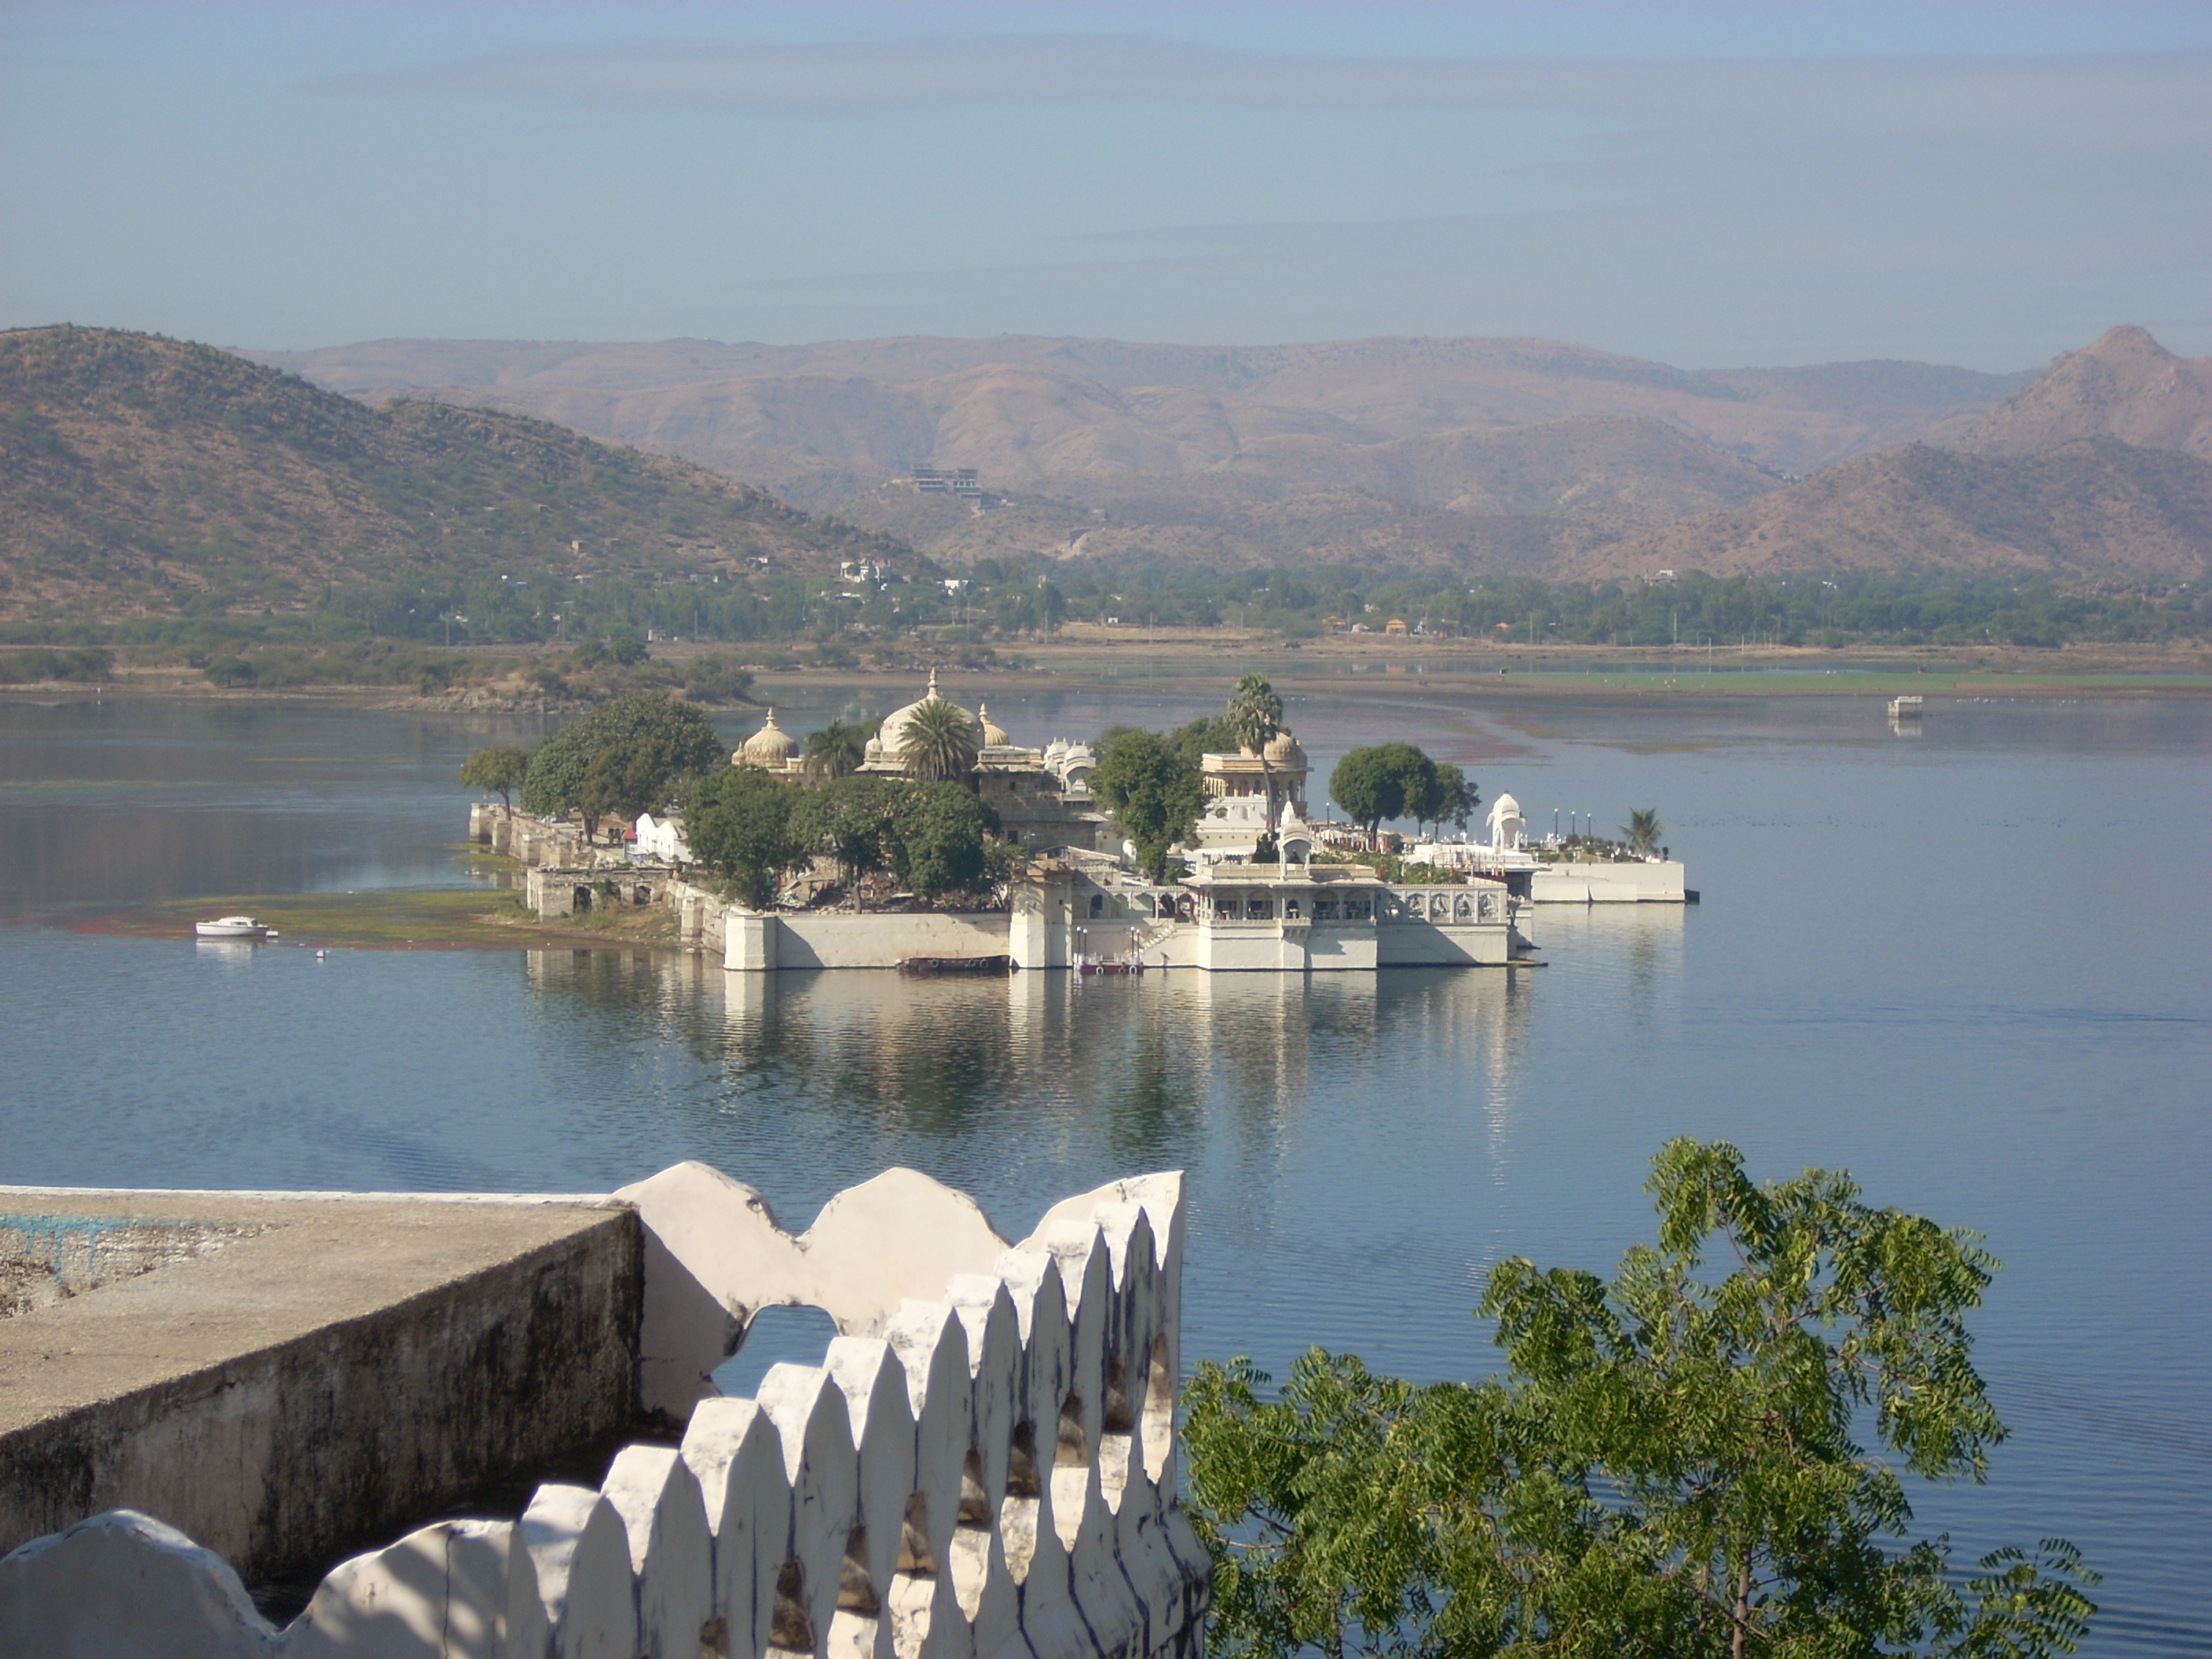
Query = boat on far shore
x=235 y=927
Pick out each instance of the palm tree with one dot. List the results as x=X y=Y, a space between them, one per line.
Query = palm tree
x=837 y=749
x=1254 y=717
x=1643 y=829
x=1255 y=712
x=938 y=744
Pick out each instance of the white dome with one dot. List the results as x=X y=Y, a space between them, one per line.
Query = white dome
x=995 y=735
x=1282 y=748
x=890 y=741
x=769 y=746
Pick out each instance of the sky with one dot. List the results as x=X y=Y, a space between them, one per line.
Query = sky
x=1707 y=185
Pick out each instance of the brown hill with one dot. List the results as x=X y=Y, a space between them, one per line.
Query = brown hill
x=1476 y=499
x=1496 y=452
x=138 y=474
x=782 y=415
x=2123 y=385
x=2095 y=508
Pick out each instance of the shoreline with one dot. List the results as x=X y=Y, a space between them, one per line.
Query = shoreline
x=381 y=918
x=1086 y=654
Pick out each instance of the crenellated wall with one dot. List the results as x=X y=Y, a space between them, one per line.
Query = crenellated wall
x=983 y=1467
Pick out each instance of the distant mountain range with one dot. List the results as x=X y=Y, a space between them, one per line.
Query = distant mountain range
x=142 y=475
x=1489 y=455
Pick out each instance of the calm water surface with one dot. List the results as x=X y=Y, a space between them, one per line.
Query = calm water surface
x=1970 y=966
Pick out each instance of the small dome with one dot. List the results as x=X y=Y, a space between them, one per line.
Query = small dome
x=769 y=746
x=1284 y=748
x=995 y=735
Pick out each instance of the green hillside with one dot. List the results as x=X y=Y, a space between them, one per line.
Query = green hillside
x=143 y=477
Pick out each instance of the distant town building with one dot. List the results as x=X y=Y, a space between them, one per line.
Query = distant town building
x=946 y=481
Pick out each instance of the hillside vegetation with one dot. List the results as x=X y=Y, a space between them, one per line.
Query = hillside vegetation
x=146 y=477
x=1474 y=453
x=2094 y=510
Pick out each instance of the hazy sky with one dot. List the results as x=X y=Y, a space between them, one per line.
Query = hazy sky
x=1986 y=183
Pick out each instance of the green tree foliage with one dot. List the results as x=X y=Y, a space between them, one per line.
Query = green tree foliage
x=1643 y=829
x=666 y=739
x=1196 y=741
x=1440 y=793
x=1666 y=1466
x=938 y=744
x=44 y=663
x=1255 y=712
x=741 y=823
x=230 y=671
x=939 y=838
x=497 y=770
x=626 y=779
x=849 y=820
x=1384 y=780
x=837 y=749
x=1156 y=793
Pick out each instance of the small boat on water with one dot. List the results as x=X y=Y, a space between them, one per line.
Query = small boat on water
x=235 y=927
x=931 y=966
x=1907 y=707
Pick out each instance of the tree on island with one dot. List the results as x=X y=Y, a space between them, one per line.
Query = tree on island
x=497 y=770
x=1196 y=741
x=938 y=744
x=1379 y=781
x=1156 y=793
x=1439 y=792
x=1665 y=1466
x=940 y=839
x=849 y=821
x=1643 y=829
x=837 y=749
x=665 y=739
x=1255 y=714
x=740 y=823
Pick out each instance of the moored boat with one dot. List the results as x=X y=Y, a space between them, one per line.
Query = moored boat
x=235 y=927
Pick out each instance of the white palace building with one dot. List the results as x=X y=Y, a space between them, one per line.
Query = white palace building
x=1081 y=905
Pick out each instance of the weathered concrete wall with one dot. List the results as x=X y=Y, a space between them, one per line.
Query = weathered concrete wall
x=880 y=939
x=1639 y=882
x=352 y=1364
x=989 y=1474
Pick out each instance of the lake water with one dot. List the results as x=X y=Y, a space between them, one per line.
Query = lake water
x=1971 y=966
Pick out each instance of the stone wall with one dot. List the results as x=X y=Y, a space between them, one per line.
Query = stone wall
x=1636 y=881
x=822 y=939
x=340 y=1367
x=983 y=1467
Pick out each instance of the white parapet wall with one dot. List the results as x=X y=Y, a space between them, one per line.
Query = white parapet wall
x=983 y=1467
x=829 y=939
x=1631 y=881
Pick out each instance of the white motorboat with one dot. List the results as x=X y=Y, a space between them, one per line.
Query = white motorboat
x=235 y=927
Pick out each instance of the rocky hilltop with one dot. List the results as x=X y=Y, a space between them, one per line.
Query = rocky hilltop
x=2094 y=510
x=140 y=475
x=2124 y=385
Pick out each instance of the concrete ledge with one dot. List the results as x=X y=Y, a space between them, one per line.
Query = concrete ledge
x=353 y=1363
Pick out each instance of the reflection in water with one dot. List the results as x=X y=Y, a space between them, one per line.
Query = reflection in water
x=1139 y=1061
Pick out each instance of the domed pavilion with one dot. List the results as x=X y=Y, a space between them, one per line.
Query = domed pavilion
x=772 y=749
